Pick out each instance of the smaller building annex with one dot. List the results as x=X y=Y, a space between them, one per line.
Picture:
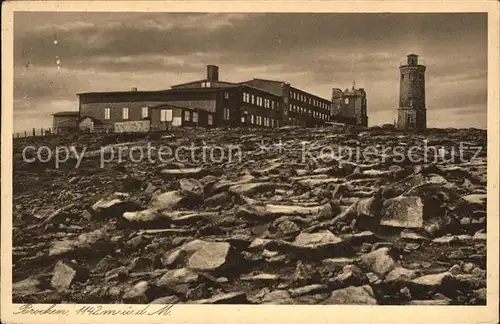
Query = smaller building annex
x=65 y=121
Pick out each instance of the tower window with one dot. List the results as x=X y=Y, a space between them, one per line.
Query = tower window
x=346 y=101
x=402 y=76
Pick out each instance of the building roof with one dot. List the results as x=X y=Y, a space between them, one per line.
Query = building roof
x=67 y=114
x=203 y=80
x=208 y=89
x=266 y=80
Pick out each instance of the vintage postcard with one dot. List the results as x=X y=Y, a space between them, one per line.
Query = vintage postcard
x=219 y=161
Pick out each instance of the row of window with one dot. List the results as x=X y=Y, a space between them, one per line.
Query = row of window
x=302 y=110
x=307 y=99
x=167 y=116
x=261 y=121
x=257 y=100
x=125 y=113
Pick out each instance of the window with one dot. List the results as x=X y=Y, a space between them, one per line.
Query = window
x=166 y=115
x=253 y=99
x=246 y=97
x=144 y=112
x=259 y=101
x=125 y=113
x=210 y=119
x=187 y=115
x=226 y=95
x=242 y=119
x=346 y=101
x=195 y=117
x=272 y=104
x=252 y=119
x=402 y=76
x=226 y=113
x=107 y=113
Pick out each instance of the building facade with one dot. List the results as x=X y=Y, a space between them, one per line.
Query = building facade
x=412 y=112
x=213 y=103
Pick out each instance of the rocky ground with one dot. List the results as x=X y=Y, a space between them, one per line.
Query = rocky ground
x=269 y=229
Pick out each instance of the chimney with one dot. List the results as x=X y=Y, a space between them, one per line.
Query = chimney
x=134 y=89
x=212 y=73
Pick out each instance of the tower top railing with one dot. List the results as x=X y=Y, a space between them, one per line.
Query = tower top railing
x=405 y=62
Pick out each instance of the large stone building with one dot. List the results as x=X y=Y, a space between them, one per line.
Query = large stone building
x=211 y=102
x=350 y=106
x=412 y=112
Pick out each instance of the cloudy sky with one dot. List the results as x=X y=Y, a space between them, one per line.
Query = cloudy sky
x=315 y=52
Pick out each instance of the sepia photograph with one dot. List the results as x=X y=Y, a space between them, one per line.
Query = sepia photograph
x=250 y=158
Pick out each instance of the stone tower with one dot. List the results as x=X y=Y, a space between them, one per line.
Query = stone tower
x=412 y=111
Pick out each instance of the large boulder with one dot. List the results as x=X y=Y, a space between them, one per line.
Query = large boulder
x=405 y=212
x=380 y=261
x=113 y=206
x=178 y=280
x=65 y=274
x=362 y=295
x=199 y=255
x=167 y=201
x=316 y=239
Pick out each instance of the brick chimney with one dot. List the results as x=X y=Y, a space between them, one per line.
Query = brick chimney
x=134 y=89
x=212 y=73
